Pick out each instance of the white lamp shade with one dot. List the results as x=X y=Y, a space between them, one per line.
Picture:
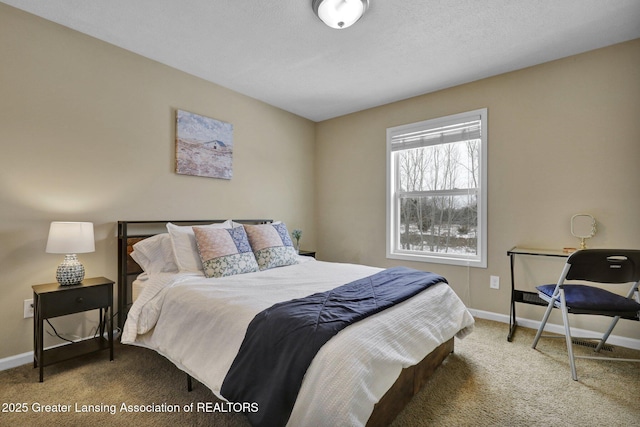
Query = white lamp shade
x=71 y=238
x=340 y=14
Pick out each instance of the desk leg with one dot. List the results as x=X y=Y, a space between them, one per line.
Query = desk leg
x=512 y=315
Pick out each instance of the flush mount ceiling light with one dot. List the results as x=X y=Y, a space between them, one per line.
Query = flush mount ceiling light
x=340 y=14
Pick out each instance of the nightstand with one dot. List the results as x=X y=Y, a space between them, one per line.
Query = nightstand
x=307 y=253
x=52 y=300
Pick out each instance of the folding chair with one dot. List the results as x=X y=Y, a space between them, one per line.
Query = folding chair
x=602 y=266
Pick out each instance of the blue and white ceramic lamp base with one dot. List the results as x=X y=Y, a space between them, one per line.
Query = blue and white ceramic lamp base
x=70 y=272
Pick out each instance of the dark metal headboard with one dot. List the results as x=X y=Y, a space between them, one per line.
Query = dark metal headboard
x=131 y=232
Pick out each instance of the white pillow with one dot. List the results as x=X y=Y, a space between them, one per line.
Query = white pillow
x=155 y=254
x=185 y=250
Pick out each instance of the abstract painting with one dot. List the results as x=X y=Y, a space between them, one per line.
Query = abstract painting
x=204 y=146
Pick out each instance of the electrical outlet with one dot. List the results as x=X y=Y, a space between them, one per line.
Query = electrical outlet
x=495 y=282
x=28 y=308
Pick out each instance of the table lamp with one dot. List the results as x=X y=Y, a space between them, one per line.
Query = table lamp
x=70 y=238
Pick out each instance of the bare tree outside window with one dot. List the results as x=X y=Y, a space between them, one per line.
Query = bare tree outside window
x=435 y=190
x=439 y=223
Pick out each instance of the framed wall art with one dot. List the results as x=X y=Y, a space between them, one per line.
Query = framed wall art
x=204 y=146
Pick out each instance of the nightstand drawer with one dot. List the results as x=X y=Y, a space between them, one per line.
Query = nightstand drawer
x=74 y=301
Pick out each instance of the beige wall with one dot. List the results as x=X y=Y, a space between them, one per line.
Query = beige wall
x=87 y=134
x=564 y=138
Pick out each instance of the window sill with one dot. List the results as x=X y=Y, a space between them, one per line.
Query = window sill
x=477 y=263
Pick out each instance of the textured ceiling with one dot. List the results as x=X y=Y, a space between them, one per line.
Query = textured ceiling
x=280 y=53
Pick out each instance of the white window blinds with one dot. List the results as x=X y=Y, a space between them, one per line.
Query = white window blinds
x=421 y=137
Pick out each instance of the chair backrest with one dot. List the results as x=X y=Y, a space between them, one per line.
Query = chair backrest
x=605 y=265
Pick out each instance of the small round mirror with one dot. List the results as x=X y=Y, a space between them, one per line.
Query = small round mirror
x=583 y=226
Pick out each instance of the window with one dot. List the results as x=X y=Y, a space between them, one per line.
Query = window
x=437 y=190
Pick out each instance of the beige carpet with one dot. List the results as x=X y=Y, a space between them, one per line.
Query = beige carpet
x=486 y=382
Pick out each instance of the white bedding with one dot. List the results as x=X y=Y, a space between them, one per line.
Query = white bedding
x=199 y=324
x=138 y=285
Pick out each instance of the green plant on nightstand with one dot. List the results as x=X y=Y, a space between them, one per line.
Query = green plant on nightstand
x=297 y=235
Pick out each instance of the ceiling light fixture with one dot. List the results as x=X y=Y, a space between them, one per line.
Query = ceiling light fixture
x=339 y=14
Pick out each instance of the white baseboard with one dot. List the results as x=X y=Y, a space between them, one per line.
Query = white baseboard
x=24 y=358
x=557 y=329
x=15 y=361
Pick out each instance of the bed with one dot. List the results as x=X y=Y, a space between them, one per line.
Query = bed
x=364 y=375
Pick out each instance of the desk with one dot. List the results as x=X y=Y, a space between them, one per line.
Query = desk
x=527 y=297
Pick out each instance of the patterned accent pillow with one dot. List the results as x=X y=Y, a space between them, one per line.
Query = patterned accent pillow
x=224 y=251
x=271 y=245
x=185 y=250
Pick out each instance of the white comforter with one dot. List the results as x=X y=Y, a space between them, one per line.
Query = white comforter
x=199 y=324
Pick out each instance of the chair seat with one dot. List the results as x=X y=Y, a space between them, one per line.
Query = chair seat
x=590 y=299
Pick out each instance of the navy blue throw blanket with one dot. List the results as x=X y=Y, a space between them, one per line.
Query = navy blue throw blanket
x=282 y=340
